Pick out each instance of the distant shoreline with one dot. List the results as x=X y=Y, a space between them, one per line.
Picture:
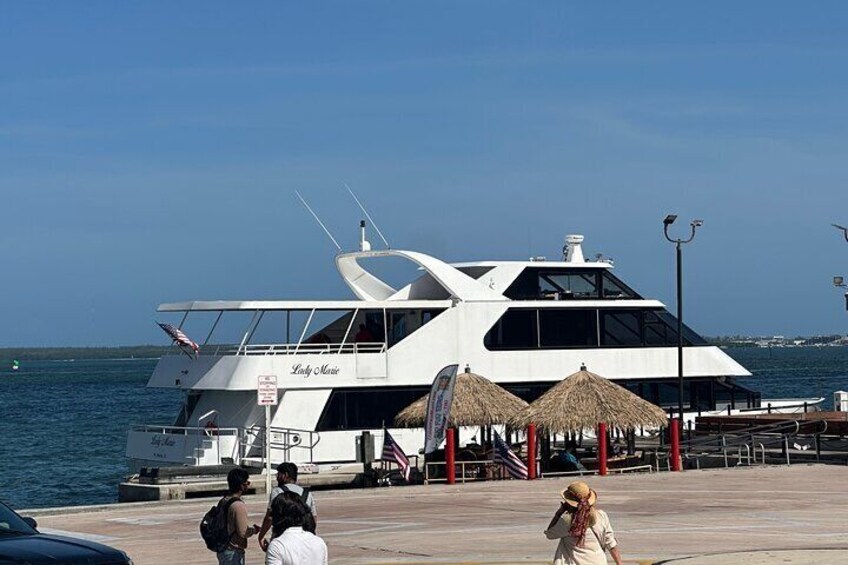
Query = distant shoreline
x=61 y=353
x=157 y=351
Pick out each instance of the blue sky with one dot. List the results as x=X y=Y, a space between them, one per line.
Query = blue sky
x=150 y=152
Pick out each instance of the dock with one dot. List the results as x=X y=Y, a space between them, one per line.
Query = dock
x=177 y=483
x=794 y=515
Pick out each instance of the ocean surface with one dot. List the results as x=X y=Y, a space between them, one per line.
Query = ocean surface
x=64 y=423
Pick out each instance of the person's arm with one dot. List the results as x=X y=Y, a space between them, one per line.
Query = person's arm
x=552 y=531
x=266 y=525
x=241 y=527
x=609 y=542
x=616 y=555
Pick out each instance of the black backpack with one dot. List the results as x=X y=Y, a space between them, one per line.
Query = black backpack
x=213 y=526
x=304 y=495
x=310 y=525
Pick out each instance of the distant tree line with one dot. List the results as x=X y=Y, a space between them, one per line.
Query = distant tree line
x=754 y=341
x=55 y=353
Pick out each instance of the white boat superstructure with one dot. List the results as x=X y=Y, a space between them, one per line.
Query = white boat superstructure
x=347 y=366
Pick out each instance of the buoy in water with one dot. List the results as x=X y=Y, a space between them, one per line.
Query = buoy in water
x=15 y=365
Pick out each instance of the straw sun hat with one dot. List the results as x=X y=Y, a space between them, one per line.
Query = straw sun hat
x=577 y=491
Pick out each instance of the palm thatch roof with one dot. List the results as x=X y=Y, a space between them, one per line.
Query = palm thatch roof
x=583 y=400
x=477 y=401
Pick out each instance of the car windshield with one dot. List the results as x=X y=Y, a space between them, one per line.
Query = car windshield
x=11 y=523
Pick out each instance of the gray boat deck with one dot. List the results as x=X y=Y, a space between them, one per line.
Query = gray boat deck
x=792 y=515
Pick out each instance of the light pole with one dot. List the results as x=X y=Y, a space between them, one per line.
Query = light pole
x=839 y=281
x=679 y=243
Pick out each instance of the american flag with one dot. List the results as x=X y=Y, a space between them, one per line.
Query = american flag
x=505 y=456
x=179 y=337
x=392 y=452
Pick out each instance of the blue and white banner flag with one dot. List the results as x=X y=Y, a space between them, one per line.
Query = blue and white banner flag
x=438 y=408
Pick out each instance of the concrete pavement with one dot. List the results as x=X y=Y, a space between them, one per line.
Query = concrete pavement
x=743 y=515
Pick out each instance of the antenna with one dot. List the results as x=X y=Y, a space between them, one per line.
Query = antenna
x=367 y=215
x=320 y=223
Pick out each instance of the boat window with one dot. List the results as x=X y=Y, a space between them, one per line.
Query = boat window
x=689 y=336
x=568 y=328
x=403 y=323
x=656 y=332
x=614 y=288
x=621 y=328
x=517 y=329
x=565 y=286
x=562 y=328
x=474 y=272
x=538 y=283
x=535 y=283
x=364 y=408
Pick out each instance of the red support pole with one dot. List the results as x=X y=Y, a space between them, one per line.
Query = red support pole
x=602 y=449
x=450 y=451
x=531 y=452
x=674 y=432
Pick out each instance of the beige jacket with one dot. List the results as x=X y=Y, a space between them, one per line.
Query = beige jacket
x=238 y=525
x=599 y=538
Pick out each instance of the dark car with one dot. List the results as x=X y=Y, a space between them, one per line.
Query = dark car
x=22 y=544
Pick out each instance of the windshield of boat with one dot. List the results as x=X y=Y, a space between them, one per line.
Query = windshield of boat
x=12 y=524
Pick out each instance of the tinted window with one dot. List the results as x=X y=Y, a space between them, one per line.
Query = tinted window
x=515 y=330
x=689 y=337
x=364 y=408
x=10 y=522
x=568 y=328
x=621 y=328
x=558 y=328
x=614 y=288
x=657 y=334
x=563 y=286
x=538 y=283
x=475 y=272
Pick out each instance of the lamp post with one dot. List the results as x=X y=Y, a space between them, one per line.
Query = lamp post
x=695 y=224
x=839 y=281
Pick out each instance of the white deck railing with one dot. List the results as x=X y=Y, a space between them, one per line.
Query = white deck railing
x=302 y=349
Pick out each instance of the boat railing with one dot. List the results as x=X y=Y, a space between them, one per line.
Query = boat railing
x=209 y=431
x=303 y=349
x=286 y=440
x=800 y=407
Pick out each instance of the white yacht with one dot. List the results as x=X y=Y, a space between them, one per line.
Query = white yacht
x=346 y=366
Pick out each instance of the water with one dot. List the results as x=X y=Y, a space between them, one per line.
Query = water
x=793 y=372
x=63 y=424
x=63 y=428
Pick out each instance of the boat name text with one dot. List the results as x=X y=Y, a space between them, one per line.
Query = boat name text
x=161 y=441
x=307 y=370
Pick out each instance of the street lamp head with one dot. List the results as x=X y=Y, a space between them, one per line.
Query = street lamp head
x=697 y=223
x=838 y=281
x=669 y=219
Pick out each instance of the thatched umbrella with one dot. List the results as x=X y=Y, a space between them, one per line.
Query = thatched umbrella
x=583 y=400
x=477 y=401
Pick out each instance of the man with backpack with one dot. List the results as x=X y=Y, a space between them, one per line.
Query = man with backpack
x=287 y=482
x=225 y=527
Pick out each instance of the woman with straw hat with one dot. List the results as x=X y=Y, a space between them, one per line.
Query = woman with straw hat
x=583 y=531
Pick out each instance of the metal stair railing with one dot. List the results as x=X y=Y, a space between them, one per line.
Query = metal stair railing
x=746 y=439
x=254 y=438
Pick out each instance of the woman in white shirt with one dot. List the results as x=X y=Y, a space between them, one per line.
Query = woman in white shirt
x=291 y=544
x=584 y=532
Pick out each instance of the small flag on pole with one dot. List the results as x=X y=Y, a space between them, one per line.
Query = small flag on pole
x=506 y=457
x=393 y=453
x=179 y=337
